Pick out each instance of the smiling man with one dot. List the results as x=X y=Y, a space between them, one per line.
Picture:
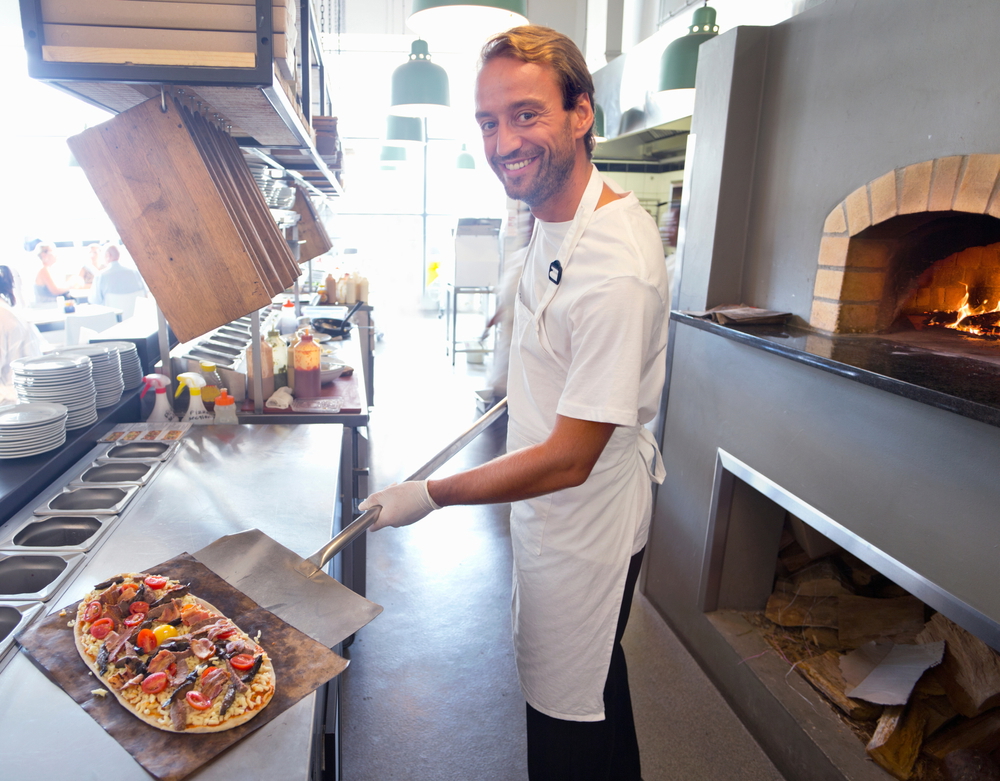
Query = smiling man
x=586 y=370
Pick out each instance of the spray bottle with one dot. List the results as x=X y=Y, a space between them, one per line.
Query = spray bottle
x=162 y=411
x=196 y=413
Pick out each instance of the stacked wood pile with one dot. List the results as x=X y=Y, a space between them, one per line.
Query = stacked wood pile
x=822 y=609
x=200 y=33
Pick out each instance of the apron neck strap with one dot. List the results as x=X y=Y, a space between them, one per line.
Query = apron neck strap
x=586 y=209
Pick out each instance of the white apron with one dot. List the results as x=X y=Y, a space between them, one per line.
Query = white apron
x=571 y=548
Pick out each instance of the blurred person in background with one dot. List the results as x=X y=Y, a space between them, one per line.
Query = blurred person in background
x=47 y=290
x=18 y=338
x=115 y=279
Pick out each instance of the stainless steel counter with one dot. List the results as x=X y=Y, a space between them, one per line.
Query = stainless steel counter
x=283 y=480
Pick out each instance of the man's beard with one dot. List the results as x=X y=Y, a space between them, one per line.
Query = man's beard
x=552 y=175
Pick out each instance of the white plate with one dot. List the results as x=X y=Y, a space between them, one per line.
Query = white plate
x=45 y=380
x=30 y=414
x=37 y=451
x=49 y=363
x=34 y=444
x=98 y=350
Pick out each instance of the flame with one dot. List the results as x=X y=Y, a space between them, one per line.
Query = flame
x=964 y=311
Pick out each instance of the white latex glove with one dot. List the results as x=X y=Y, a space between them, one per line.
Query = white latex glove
x=401 y=504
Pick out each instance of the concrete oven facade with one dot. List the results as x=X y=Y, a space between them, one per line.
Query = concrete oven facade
x=805 y=136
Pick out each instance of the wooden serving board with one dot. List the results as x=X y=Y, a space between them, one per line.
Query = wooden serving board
x=301 y=666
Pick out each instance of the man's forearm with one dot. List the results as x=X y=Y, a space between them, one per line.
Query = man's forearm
x=563 y=460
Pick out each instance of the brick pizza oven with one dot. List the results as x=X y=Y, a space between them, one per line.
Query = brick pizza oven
x=843 y=167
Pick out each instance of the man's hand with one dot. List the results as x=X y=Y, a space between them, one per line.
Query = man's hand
x=401 y=504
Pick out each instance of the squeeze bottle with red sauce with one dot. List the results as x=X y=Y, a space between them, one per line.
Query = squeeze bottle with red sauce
x=307 y=368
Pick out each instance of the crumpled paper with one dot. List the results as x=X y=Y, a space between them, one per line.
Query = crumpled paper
x=885 y=673
x=280 y=399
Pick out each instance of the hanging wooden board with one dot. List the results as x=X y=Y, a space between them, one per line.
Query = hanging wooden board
x=158 y=192
x=311 y=230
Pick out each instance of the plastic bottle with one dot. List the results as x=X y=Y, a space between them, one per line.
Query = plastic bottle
x=212 y=383
x=331 y=290
x=279 y=354
x=361 y=294
x=307 y=368
x=225 y=409
x=162 y=411
x=287 y=321
x=293 y=342
x=196 y=413
x=345 y=290
x=267 y=369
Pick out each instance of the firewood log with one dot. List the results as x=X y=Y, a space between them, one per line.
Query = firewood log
x=970 y=765
x=823 y=672
x=895 y=745
x=970 y=672
x=981 y=733
x=862 y=619
x=788 y=609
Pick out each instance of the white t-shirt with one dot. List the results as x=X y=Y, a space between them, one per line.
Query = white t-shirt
x=607 y=326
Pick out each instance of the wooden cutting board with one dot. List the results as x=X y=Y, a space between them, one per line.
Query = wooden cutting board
x=151 y=179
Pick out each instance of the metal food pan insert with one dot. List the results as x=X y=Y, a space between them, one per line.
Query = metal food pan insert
x=87 y=500
x=75 y=532
x=128 y=472
x=34 y=577
x=139 y=451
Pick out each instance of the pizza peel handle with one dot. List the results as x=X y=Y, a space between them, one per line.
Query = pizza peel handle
x=353 y=530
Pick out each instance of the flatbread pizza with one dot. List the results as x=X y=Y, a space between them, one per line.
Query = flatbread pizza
x=170 y=658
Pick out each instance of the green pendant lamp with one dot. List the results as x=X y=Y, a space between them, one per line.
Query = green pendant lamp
x=404 y=131
x=679 y=61
x=419 y=87
x=466 y=20
x=465 y=160
x=391 y=157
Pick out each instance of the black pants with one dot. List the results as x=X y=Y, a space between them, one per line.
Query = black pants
x=560 y=750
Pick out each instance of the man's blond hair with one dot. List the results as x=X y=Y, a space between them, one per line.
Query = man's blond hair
x=545 y=46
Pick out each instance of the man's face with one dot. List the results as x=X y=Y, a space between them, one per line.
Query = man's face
x=529 y=138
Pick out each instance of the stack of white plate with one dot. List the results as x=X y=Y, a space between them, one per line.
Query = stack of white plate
x=30 y=429
x=107 y=368
x=58 y=379
x=131 y=366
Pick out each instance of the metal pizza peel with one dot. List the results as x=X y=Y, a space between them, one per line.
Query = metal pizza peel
x=297 y=589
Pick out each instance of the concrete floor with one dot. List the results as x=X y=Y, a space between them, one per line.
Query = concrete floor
x=431 y=693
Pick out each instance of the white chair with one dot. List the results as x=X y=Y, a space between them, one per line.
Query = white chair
x=124 y=302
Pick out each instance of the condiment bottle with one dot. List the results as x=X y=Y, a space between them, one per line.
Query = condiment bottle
x=307 y=368
x=212 y=383
x=361 y=294
x=225 y=409
x=293 y=342
x=331 y=290
x=267 y=369
x=279 y=353
x=286 y=323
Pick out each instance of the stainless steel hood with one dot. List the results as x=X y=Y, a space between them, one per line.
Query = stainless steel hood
x=664 y=144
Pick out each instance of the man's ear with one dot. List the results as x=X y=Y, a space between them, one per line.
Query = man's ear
x=583 y=115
